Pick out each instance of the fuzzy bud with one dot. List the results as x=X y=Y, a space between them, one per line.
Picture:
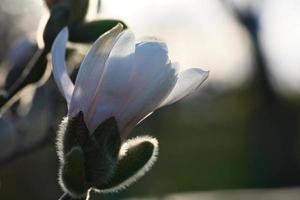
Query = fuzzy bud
x=87 y=160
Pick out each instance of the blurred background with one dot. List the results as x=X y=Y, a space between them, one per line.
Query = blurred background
x=240 y=131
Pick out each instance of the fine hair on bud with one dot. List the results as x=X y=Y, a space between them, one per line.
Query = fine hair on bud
x=136 y=158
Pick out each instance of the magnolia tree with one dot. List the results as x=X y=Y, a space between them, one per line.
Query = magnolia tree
x=119 y=83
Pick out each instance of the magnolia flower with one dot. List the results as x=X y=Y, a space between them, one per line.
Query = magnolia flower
x=121 y=78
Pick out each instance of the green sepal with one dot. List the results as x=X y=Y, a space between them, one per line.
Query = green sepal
x=96 y=154
x=137 y=157
x=76 y=134
x=90 y=31
x=107 y=134
x=73 y=172
x=101 y=153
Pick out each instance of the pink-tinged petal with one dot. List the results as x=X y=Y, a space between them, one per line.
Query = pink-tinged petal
x=145 y=105
x=91 y=70
x=60 y=73
x=153 y=79
x=111 y=88
x=188 y=82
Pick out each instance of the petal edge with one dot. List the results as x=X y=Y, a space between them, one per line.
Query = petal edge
x=61 y=77
x=188 y=81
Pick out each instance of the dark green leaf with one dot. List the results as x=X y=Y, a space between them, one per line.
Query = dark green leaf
x=73 y=172
x=91 y=31
x=79 y=10
x=59 y=18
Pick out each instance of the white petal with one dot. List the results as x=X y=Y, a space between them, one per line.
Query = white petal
x=61 y=76
x=111 y=89
x=150 y=98
x=91 y=71
x=188 y=81
x=153 y=79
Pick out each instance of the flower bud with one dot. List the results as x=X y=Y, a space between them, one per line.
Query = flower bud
x=87 y=160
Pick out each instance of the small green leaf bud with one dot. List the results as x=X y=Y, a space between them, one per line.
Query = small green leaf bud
x=72 y=173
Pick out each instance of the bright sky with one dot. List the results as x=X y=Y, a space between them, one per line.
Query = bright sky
x=199 y=33
x=280 y=36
